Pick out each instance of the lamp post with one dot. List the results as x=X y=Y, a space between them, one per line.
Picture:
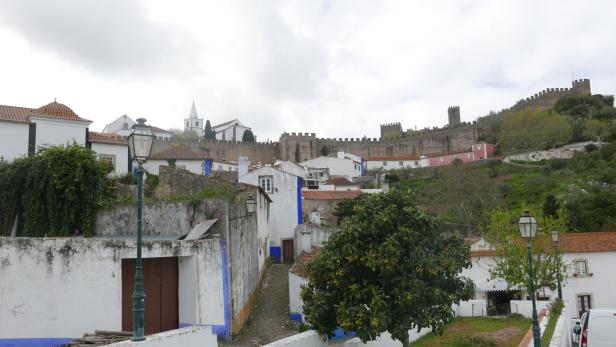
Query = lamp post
x=528 y=230
x=555 y=235
x=140 y=146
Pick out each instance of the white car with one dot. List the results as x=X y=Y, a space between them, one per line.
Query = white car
x=597 y=328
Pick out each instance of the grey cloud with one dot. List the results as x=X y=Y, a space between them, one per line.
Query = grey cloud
x=111 y=36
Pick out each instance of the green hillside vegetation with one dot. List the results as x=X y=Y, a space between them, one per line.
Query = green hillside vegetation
x=466 y=194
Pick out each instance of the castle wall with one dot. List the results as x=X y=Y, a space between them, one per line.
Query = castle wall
x=264 y=152
x=547 y=98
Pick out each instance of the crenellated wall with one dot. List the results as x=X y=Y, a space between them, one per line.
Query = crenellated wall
x=547 y=98
x=264 y=152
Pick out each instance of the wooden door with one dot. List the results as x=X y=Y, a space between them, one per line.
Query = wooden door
x=583 y=304
x=287 y=251
x=160 y=281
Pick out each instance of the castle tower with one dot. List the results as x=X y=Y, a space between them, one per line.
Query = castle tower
x=392 y=130
x=193 y=122
x=580 y=87
x=454 y=115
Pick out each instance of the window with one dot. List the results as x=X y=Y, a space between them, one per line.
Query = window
x=219 y=167
x=384 y=163
x=197 y=123
x=416 y=163
x=583 y=304
x=581 y=267
x=400 y=163
x=266 y=183
x=110 y=158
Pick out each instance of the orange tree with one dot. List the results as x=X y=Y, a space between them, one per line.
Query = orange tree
x=391 y=267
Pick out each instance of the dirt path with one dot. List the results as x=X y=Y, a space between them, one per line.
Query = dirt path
x=269 y=320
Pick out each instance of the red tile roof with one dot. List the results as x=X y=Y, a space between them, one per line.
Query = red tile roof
x=393 y=158
x=110 y=138
x=330 y=194
x=603 y=241
x=299 y=267
x=179 y=152
x=340 y=181
x=56 y=110
x=14 y=114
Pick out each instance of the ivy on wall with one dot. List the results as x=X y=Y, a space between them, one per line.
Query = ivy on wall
x=56 y=192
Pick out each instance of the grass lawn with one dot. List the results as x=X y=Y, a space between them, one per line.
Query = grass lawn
x=478 y=332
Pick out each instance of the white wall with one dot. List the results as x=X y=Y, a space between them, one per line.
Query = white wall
x=283 y=209
x=525 y=307
x=13 y=140
x=395 y=164
x=185 y=337
x=308 y=338
x=337 y=166
x=472 y=308
x=291 y=167
x=223 y=166
x=228 y=132
x=47 y=284
x=263 y=213
x=50 y=131
x=119 y=151
x=295 y=299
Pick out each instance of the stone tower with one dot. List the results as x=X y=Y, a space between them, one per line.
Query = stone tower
x=193 y=122
x=392 y=130
x=454 y=115
x=580 y=87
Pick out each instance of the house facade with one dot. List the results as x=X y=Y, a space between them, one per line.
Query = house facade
x=396 y=162
x=343 y=165
x=285 y=211
x=479 y=151
x=230 y=131
x=123 y=125
x=112 y=148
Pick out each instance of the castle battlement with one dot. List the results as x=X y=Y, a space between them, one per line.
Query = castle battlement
x=548 y=97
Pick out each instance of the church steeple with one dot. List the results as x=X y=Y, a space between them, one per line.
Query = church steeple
x=193 y=122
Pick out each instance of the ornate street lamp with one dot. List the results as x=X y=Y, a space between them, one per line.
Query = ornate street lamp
x=528 y=230
x=140 y=147
x=555 y=235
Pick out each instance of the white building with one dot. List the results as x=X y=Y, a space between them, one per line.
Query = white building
x=193 y=122
x=343 y=165
x=284 y=189
x=23 y=130
x=290 y=167
x=588 y=265
x=230 y=131
x=112 y=148
x=396 y=162
x=123 y=125
x=179 y=156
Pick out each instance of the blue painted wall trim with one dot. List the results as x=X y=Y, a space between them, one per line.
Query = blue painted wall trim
x=39 y=342
x=295 y=317
x=341 y=334
x=207 y=168
x=275 y=252
x=216 y=329
x=226 y=332
x=299 y=201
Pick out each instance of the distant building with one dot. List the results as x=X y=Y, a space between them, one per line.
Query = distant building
x=320 y=204
x=123 y=126
x=479 y=151
x=112 y=148
x=230 y=131
x=193 y=122
x=396 y=162
x=343 y=165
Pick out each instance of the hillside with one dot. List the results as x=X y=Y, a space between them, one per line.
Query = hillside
x=465 y=194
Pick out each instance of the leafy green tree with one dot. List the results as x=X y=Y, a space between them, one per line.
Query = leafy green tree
x=588 y=106
x=391 y=267
x=591 y=208
x=324 y=151
x=184 y=134
x=595 y=130
x=248 y=136
x=345 y=208
x=208 y=133
x=511 y=261
x=550 y=206
x=531 y=129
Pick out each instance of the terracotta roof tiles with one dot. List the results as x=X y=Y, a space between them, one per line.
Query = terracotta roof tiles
x=14 y=114
x=109 y=138
x=299 y=267
x=56 y=110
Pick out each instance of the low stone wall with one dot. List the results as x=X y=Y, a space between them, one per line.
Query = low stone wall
x=185 y=337
x=565 y=152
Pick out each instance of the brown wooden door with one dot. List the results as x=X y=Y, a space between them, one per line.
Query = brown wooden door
x=287 y=251
x=160 y=277
x=583 y=304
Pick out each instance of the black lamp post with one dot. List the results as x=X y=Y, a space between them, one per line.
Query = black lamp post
x=140 y=147
x=555 y=235
x=528 y=230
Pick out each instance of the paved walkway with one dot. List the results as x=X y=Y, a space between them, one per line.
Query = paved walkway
x=269 y=320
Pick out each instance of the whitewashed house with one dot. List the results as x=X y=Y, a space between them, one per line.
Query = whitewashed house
x=588 y=262
x=112 y=148
x=396 y=162
x=123 y=125
x=179 y=156
x=230 y=131
x=284 y=189
x=343 y=165
x=24 y=130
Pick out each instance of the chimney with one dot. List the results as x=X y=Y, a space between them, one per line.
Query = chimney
x=242 y=166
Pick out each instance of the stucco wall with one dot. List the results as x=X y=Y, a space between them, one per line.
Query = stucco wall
x=295 y=299
x=64 y=287
x=59 y=132
x=307 y=235
x=337 y=166
x=13 y=140
x=119 y=151
x=186 y=337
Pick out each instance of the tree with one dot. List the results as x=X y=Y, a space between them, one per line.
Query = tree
x=344 y=208
x=595 y=129
x=208 y=133
x=531 y=129
x=184 y=134
x=248 y=136
x=550 y=206
x=511 y=261
x=297 y=153
x=324 y=151
x=391 y=267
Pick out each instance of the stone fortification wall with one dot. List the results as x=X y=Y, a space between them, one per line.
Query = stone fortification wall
x=264 y=152
x=547 y=98
x=434 y=142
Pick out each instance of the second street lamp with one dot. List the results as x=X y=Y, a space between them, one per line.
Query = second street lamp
x=528 y=230
x=555 y=236
x=140 y=147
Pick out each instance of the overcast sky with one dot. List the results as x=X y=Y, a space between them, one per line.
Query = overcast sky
x=336 y=68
